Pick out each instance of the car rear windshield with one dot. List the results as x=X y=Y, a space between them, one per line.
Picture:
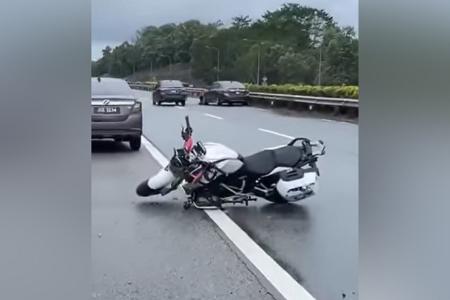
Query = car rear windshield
x=171 y=84
x=232 y=85
x=110 y=87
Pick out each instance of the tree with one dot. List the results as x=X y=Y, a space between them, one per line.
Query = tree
x=241 y=22
x=292 y=44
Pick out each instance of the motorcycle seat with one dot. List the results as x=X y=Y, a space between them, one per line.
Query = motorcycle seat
x=264 y=162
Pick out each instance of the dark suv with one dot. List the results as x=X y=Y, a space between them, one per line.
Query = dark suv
x=116 y=113
x=169 y=91
x=229 y=92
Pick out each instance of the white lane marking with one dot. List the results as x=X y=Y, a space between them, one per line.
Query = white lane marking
x=180 y=107
x=273 y=272
x=276 y=133
x=157 y=155
x=214 y=116
x=276 y=275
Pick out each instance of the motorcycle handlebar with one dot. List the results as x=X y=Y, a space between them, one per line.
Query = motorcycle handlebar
x=188 y=125
x=307 y=143
x=186 y=132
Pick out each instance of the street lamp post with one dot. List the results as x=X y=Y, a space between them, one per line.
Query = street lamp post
x=258 y=59
x=218 y=60
x=320 y=65
x=259 y=64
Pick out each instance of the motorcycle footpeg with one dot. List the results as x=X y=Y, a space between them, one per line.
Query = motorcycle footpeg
x=208 y=203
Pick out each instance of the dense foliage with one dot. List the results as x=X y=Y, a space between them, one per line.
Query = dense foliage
x=308 y=90
x=291 y=43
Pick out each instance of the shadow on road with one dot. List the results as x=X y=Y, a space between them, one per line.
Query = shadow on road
x=99 y=146
x=167 y=207
x=274 y=211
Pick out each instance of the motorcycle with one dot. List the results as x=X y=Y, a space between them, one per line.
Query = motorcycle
x=212 y=174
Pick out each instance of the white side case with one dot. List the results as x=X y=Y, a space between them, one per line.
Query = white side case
x=298 y=189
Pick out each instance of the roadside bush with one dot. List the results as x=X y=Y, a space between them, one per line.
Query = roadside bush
x=344 y=91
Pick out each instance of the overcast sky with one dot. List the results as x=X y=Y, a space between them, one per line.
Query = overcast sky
x=115 y=21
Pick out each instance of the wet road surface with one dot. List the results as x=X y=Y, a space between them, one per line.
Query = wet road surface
x=156 y=249
x=314 y=240
x=153 y=249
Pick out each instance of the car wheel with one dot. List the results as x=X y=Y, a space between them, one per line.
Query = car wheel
x=135 y=143
x=183 y=103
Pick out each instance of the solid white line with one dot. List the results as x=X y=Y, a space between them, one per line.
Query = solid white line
x=180 y=107
x=157 y=155
x=276 y=275
x=213 y=116
x=276 y=133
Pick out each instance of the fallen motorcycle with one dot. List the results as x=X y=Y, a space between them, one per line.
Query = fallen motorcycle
x=212 y=174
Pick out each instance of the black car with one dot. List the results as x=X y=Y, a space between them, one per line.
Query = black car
x=169 y=91
x=229 y=92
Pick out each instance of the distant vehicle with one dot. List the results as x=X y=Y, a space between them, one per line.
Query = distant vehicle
x=169 y=91
x=229 y=92
x=116 y=113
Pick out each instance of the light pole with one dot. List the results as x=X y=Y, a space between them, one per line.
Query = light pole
x=258 y=58
x=218 y=59
x=318 y=27
x=320 y=64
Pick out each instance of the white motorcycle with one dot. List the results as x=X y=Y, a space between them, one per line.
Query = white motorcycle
x=212 y=174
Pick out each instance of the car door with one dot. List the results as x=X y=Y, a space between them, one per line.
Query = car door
x=156 y=92
x=213 y=91
x=207 y=94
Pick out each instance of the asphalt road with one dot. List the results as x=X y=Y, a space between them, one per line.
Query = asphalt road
x=316 y=241
x=153 y=249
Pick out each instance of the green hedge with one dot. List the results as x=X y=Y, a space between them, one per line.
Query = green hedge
x=344 y=91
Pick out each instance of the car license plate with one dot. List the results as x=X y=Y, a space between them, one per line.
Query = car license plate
x=107 y=110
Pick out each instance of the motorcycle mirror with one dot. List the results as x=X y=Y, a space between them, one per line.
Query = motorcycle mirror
x=187 y=122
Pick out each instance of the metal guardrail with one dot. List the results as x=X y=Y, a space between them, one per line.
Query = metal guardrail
x=343 y=102
x=327 y=101
x=139 y=86
x=193 y=92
